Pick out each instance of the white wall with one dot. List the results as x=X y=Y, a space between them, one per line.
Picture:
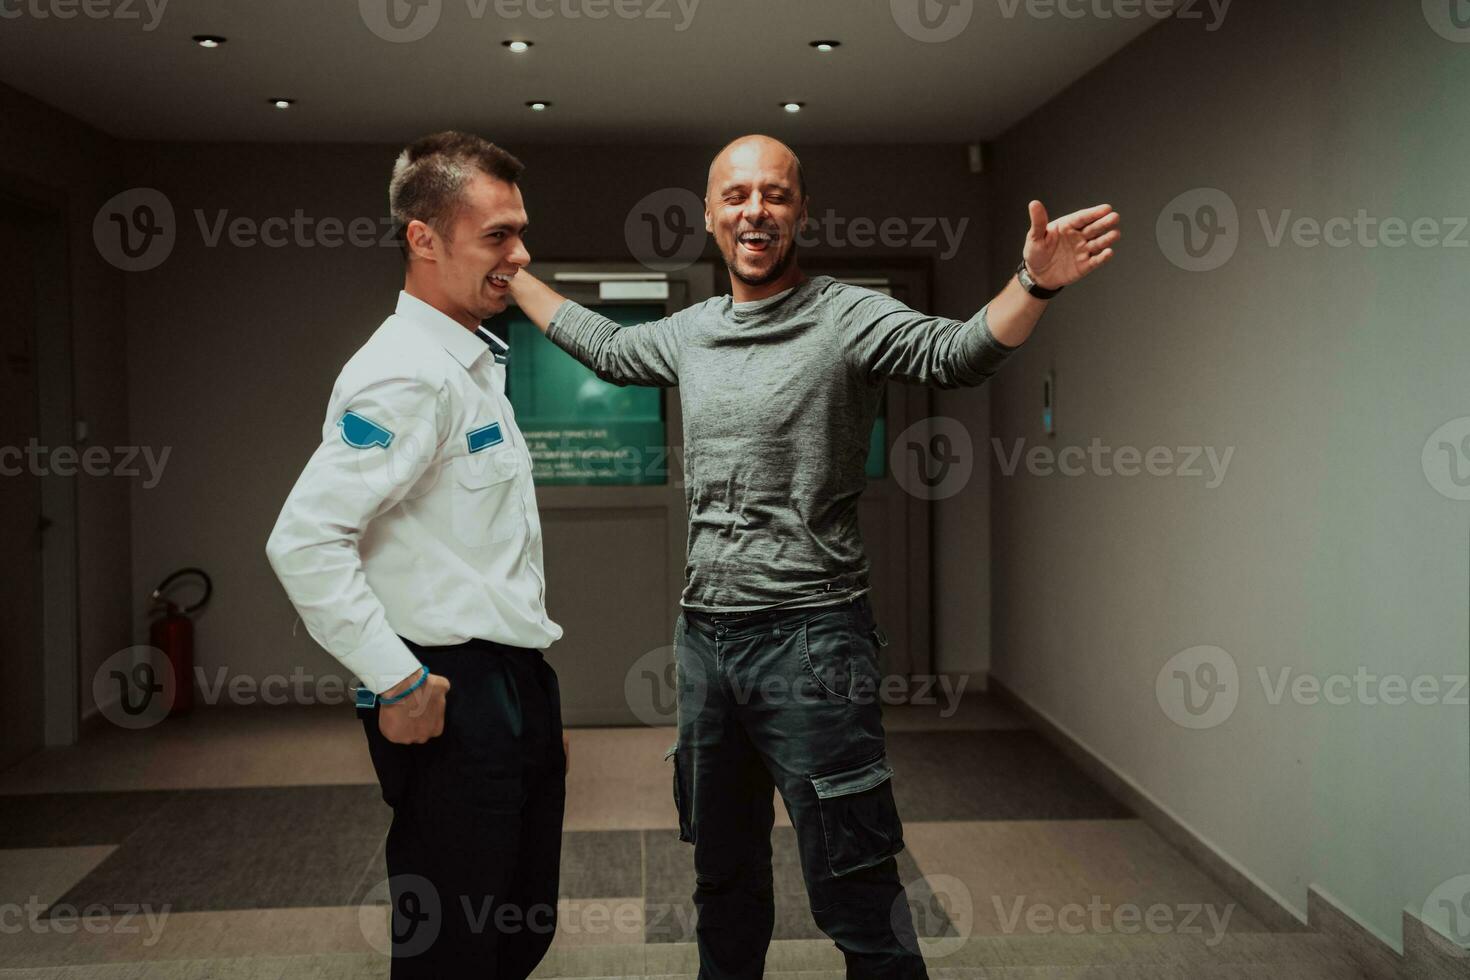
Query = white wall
x=1327 y=548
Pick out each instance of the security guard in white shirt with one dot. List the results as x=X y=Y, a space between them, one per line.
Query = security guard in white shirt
x=411 y=546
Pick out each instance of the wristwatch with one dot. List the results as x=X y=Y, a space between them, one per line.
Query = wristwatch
x=1023 y=275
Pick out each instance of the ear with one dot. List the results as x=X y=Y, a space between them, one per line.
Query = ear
x=801 y=222
x=709 y=222
x=422 y=242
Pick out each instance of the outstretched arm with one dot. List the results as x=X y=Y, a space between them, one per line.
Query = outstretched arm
x=888 y=340
x=646 y=354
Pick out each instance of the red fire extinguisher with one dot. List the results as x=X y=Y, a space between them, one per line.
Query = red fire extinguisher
x=173 y=634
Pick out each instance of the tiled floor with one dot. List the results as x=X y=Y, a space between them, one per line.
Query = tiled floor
x=219 y=841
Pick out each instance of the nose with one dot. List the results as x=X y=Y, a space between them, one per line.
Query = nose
x=520 y=258
x=755 y=208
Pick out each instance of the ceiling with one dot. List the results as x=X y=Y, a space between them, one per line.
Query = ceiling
x=671 y=71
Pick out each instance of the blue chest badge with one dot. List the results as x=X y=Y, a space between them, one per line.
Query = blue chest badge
x=360 y=432
x=485 y=437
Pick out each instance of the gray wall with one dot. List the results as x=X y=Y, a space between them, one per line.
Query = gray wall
x=1327 y=548
x=45 y=152
x=232 y=351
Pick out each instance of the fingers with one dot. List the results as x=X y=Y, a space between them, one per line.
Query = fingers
x=1111 y=220
x=1081 y=219
x=1101 y=242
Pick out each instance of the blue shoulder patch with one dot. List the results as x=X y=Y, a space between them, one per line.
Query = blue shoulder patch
x=360 y=432
x=485 y=437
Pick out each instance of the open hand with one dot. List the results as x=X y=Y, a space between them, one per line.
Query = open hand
x=1060 y=252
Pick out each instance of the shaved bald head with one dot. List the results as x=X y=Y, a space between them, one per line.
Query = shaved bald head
x=750 y=145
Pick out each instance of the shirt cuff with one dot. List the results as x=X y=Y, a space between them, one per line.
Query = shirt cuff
x=382 y=662
x=561 y=313
x=983 y=317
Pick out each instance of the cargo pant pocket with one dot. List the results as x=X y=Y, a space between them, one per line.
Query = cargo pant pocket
x=683 y=798
x=860 y=824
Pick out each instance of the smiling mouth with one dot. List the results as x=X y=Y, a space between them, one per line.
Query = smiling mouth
x=756 y=241
x=500 y=281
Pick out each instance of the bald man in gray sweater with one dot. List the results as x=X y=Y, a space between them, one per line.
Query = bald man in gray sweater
x=776 y=647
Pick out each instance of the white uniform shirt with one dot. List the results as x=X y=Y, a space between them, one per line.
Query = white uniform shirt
x=416 y=516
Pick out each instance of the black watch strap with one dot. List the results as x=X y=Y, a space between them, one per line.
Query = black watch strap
x=1027 y=283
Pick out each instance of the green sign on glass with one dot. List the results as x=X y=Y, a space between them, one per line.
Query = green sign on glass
x=581 y=430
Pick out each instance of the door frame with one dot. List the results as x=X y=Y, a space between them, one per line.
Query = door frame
x=60 y=607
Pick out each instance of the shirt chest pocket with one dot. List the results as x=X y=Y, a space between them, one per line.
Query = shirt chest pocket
x=486 y=497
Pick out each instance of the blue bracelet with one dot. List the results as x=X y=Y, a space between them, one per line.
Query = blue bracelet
x=411 y=688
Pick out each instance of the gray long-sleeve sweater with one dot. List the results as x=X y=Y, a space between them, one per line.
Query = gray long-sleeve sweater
x=779 y=398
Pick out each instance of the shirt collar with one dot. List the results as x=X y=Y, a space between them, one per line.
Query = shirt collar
x=464 y=345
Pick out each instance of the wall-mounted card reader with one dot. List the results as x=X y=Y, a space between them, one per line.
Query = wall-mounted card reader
x=1048 y=400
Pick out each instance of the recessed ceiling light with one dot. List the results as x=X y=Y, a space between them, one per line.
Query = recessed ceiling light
x=538 y=106
x=792 y=106
x=826 y=45
x=282 y=103
x=517 y=46
x=208 y=40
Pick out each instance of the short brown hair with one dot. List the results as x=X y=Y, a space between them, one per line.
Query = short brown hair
x=430 y=174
